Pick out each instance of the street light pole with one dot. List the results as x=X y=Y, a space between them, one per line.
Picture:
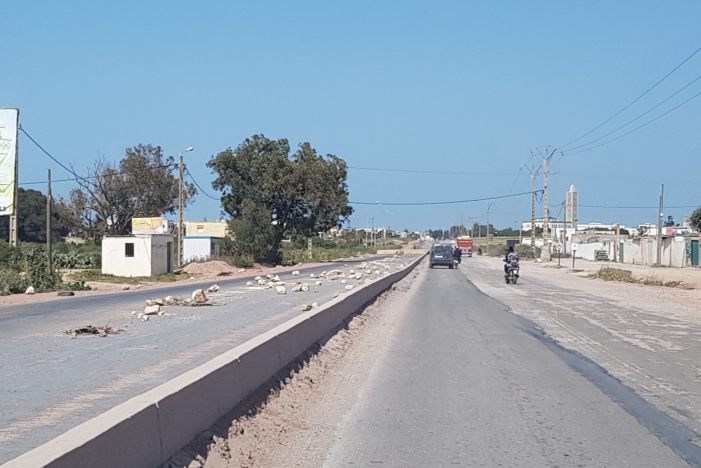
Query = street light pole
x=180 y=206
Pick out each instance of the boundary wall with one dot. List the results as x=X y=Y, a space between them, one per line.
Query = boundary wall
x=145 y=431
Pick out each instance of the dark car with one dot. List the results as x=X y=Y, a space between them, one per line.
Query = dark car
x=441 y=254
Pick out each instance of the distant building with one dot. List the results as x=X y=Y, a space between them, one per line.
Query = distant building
x=553 y=223
x=571 y=207
x=207 y=228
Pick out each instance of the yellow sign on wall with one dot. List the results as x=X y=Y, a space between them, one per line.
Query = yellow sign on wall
x=9 y=120
x=148 y=226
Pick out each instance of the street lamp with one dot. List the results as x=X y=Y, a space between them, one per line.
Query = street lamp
x=180 y=206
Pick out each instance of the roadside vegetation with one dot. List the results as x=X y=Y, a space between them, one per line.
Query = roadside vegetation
x=26 y=266
x=626 y=276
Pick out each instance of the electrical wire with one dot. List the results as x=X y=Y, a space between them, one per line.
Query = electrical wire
x=444 y=202
x=638 y=117
x=426 y=171
x=634 y=100
x=198 y=186
x=46 y=152
x=637 y=207
x=641 y=126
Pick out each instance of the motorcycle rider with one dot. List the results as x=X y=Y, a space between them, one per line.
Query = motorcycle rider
x=510 y=257
x=457 y=254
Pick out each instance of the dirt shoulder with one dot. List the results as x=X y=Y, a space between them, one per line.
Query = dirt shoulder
x=298 y=416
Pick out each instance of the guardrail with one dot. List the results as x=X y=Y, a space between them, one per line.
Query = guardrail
x=145 y=431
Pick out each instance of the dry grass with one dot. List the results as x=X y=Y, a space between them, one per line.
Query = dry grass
x=626 y=276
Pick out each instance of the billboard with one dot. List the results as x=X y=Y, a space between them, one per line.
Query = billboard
x=9 y=120
x=148 y=226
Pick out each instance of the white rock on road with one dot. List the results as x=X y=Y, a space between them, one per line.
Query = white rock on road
x=30 y=290
x=152 y=310
x=198 y=296
x=281 y=290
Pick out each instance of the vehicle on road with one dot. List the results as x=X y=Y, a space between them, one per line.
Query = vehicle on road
x=465 y=244
x=441 y=255
x=511 y=269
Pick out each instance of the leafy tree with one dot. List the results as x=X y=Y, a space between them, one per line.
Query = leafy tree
x=143 y=184
x=267 y=190
x=669 y=222
x=695 y=219
x=31 y=218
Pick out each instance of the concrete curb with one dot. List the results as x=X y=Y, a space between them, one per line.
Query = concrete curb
x=148 y=429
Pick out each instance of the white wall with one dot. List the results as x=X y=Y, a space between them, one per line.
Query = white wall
x=115 y=262
x=197 y=248
x=159 y=254
x=150 y=255
x=643 y=251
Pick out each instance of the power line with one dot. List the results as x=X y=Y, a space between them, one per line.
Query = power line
x=641 y=126
x=426 y=171
x=636 y=207
x=444 y=202
x=46 y=152
x=638 y=117
x=634 y=101
x=198 y=186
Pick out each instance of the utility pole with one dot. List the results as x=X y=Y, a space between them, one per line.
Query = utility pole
x=15 y=203
x=180 y=206
x=546 y=224
x=659 y=229
x=49 y=254
x=534 y=174
x=545 y=251
x=180 y=213
x=618 y=243
x=489 y=206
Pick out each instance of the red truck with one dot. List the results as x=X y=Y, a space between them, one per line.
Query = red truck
x=464 y=243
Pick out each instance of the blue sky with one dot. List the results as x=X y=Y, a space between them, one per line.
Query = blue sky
x=452 y=86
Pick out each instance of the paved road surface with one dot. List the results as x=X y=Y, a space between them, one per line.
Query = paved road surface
x=50 y=382
x=467 y=383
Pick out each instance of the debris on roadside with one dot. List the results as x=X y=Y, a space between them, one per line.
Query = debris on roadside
x=198 y=297
x=66 y=294
x=281 y=290
x=152 y=309
x=315 y=305
x=30 y=290
x=295 y=273
x=126 y=287
x=90 y=330
x=213 y=288
x=306 y=307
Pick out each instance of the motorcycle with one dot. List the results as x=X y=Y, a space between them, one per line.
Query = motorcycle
x=456 y=262
x=512 y=268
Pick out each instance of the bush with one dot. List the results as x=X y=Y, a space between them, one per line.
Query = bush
x=241 y=261
x=12 y=282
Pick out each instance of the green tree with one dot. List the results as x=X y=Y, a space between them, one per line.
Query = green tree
x=143 y=184
x=695 y=219
x=267 y=190
x=31 y=217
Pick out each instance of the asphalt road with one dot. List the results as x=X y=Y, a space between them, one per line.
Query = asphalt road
x=465 y=382
x=51 y=382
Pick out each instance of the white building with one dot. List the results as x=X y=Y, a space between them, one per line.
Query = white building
x=199 y=248
x=553 y=223
x=139 y=255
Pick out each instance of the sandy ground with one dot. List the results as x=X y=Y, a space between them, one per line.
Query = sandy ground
x=689 y=275
x=293 y=420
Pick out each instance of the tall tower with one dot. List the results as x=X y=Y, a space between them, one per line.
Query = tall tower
x=571 y=207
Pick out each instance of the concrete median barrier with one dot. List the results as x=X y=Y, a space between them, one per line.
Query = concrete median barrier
x=147 y=430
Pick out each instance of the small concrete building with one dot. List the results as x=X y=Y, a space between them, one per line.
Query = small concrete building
x=139 y=255
x=199 y=248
